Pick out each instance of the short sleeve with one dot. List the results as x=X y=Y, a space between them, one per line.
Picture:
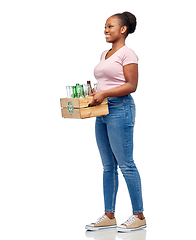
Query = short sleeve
x=129 y=57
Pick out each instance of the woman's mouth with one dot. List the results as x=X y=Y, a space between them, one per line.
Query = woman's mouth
x=107 y=35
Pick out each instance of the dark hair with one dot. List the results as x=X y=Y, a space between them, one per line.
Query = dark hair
x=127 y=19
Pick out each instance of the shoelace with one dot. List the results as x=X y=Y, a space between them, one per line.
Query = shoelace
x=130 y=220
x=101 y=219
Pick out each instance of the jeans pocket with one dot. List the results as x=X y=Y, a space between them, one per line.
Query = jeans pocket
x=132 y=113
x=114 y=102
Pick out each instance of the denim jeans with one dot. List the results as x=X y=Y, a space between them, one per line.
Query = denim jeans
x=114 y=136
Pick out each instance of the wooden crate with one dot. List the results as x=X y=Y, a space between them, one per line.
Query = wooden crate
x=79 y=108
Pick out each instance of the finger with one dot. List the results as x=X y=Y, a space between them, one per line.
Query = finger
x=93 y=102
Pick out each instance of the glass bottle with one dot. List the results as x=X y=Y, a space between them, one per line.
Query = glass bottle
x=89 y=83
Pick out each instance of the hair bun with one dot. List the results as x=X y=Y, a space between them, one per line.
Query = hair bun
x=131 y=19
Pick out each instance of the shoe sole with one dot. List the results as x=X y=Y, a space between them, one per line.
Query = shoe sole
x=99 y=228
x=130 y=229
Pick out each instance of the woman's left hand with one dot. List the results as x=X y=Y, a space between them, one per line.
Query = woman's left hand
x=98 y=98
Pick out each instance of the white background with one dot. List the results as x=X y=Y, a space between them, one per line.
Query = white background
x=50 y=169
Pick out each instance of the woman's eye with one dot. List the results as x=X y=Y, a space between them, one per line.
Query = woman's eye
x=110 y=26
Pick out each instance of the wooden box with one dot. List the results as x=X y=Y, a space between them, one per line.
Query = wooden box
x=79 y=108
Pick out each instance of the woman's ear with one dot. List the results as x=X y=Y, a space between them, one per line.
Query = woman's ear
x=123 y=29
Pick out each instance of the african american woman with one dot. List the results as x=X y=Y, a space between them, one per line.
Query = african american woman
x=117 y=78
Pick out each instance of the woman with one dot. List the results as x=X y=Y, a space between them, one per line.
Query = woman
x=117 y=77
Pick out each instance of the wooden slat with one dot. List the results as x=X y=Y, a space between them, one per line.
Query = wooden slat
x=79 y=102
x=95 y=111
x=74 y=101
x=65 y=113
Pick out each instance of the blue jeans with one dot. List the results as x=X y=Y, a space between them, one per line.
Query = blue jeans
x=114 y=136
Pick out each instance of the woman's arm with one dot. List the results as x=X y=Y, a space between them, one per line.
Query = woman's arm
x=131 y=77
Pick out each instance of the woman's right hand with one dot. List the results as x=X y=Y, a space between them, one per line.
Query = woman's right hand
x=98 y=98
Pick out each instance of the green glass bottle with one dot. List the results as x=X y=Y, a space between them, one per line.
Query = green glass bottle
x=82 y=91
x=74 y=92
x=78 y=90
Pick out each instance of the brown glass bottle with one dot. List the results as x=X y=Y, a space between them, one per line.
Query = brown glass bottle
x=89 y=82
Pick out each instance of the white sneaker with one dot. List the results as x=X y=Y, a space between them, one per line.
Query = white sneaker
x=102 y=223
x=133 y=223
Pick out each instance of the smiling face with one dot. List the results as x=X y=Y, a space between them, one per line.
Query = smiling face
x=113 y=29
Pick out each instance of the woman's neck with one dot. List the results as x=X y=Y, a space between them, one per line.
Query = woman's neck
x=117 y=45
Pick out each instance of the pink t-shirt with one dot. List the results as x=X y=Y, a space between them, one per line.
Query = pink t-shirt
x=109 y=72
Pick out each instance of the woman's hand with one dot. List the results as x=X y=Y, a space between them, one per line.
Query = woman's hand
x=98 y=98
